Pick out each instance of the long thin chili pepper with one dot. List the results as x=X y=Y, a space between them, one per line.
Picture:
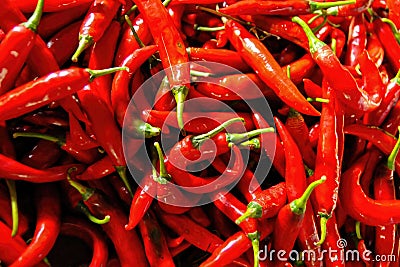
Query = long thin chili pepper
x=50 y=6
x=260 y=59
x=333 y=242
x=267 y=204
x=235 y=246
x=123 y=240
x=15 y=48
x=47 y=226
x=99 y=114
x=55 y=21
x=384 y=190
x=94 y=25
x=172 y=50
x=286 y=8
x=357 y=40
x=155 y=243
x=359 y=205
x=289 y=221
x=81 y=229
x=388 y=41
x=46 y=89
x=233 y=209
x=120 y=86
x=361 y=99
x=42 y=156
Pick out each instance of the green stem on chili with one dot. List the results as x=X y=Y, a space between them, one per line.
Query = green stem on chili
x=255 y=243
x=33 y=21
x=14 y=206
x=208 y=29
x=317 y=99
x=164 y=177
x=253 y=144
x=393 y=27
x=199 y=139
x=238 y=138
x=298 y=206
x=313 y=41
x=121 y=170
x=84 y=43
x=46 y=137
x=137 y=38
x=392 y=157
x=324 y=5
x=323 y=221
x=358 y=230
x=180 y=93
x=97 y=73
x=85 y=191
x=82 y=207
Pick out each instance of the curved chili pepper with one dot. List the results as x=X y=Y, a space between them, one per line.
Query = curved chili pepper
x=14 y=170
x=15 y=48
x=123 y=240
x=55 y=21
x=384 y=190
x=155 y=243
x=233 y=209
x=359 y=205
x=285 y=8
x=81 y=229
x=235 y=246
x=44 y=90
x=295 y=175
x=47 y=226
x=388 y=41
x=289 y=221
x=120 y=86
x=97 y=19
x=357 y=39
x=261 y=60
x=355 y=98
x=171 y=49
x=267 y=203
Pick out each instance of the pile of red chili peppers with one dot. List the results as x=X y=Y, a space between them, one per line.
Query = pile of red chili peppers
x=329 y=71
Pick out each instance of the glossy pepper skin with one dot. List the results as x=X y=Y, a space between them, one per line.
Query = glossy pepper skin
x=47 y=226
x=257 y=56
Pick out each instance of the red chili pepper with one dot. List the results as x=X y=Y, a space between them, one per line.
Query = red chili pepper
x=100 y=58
x=97 y=170
x=358 y=205
x=260 y=59
x=384 y=190
x=299 y=132
x=99 y=115
x=128 y=43
x=16 y=47
x=222 y=56
x=44 y=90
x=55 y=21
x=49 y=6
x=97 y=20
x=290 y=220
x=284 y=8
x=120 y=86
x=171 y=49
x=233 y=209
x=72 y=226
x=235 y=246
x=120 y=188
x=123 y=240
x=357 y=39
x=47 y=226
x=389 y=42
x=155 y=243
x=267 y=204
x=335 y=243
x=357 y=99
x=43 y=155
x=198 y=215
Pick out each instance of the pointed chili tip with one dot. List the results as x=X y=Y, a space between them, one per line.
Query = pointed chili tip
x=84 y=42
x=323 y=222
